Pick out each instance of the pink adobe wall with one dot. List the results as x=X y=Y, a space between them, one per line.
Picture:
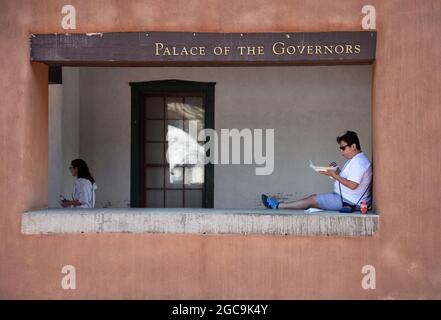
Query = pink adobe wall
x=406 y=134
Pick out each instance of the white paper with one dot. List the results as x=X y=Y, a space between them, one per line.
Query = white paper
x=318 y=168
x=312 y=210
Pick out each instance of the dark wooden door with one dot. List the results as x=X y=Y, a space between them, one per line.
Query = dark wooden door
x=170 y=169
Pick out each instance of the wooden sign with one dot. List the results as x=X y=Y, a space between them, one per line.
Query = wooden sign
x=157 y=48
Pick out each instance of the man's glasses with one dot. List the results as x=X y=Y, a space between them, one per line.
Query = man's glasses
x=342 y=148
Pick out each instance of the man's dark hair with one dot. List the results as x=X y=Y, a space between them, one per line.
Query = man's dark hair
x=350 y=137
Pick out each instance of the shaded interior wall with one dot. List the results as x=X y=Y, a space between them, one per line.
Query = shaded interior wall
x=63 y=131
x=55 y=147
x=306 y=106
x=70 y=126
x=405 y=119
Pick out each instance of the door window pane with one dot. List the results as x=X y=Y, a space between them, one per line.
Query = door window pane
x=194 y=177
x=193 y=198
x=175 y=107
x=174 y=177
x=173 y=198
x=154 y=130
x=154 y=198
x=175 y=130
x=193 y=108
x=154 y=177
x=154 y=153
x=154 y=107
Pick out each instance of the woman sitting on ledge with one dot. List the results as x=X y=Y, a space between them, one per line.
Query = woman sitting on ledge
x=352 y=182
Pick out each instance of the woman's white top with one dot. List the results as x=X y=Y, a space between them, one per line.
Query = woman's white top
x=84 y=192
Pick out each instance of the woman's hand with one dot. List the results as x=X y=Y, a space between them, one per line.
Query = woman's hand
x=68 y=203
x=65 y=203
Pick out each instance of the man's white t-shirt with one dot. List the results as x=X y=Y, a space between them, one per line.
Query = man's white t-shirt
x=359 y=170
x=84 y=192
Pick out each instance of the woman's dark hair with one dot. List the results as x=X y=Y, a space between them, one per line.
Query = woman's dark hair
x=83 y=169
x=350 y=137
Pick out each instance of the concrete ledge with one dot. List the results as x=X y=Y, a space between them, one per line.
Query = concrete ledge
x=199 y=221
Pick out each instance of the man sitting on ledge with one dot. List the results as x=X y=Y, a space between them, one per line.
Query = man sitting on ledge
x=352 y=182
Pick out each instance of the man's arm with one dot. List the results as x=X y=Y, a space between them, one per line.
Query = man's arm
x=347 y=183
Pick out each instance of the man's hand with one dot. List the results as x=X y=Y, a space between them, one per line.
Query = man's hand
x=333 y=164
x=329 y=173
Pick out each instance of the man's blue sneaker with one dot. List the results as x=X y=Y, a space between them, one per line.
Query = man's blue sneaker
x=270 y=202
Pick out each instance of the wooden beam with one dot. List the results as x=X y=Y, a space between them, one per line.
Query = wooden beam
x=187 y=48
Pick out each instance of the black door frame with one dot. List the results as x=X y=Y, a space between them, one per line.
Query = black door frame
x=138 y=90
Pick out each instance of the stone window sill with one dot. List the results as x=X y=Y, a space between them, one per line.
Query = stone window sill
x=199 y=221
